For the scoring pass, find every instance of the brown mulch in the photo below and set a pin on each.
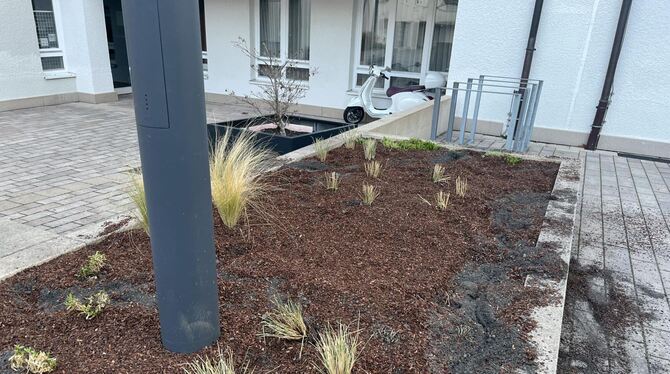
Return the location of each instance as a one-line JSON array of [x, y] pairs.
[[430, 291]]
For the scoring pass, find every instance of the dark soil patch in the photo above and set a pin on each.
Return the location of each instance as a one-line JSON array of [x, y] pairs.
[[598, 314], [110, 227], [430, 291]]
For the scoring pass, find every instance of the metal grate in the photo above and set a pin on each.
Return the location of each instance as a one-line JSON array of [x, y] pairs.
[[52, 63], [46, 29]]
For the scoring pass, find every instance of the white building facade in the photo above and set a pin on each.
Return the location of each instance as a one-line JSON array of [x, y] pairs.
[[54, 51]]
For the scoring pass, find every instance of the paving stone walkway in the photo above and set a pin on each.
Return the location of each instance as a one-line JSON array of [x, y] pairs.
[[64, 172], [623, 228]]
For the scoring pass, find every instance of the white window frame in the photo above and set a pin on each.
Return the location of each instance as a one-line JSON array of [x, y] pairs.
[[388, 57], [283, 41], [54, 52]]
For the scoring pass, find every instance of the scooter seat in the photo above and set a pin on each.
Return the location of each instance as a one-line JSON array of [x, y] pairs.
[[394, 90]]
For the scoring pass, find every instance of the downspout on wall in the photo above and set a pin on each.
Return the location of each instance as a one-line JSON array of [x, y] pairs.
[[603, 104], [530, 50]]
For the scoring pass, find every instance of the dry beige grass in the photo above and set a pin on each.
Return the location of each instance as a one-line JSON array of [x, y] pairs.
[[369, 194], [338, 350], [373, 169], [138, 196], [224, 363], [369, 149], [350, 139], [332, 181], [442, 200], [321, 149], [284, 321], [439, 174], [236, 169], [461, 186], [30, 360]]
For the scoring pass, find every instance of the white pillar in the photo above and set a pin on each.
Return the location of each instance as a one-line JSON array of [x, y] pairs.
[[86, 50]]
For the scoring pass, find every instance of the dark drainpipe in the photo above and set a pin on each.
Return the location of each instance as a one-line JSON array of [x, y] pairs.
[[604, 102], [530, 49]]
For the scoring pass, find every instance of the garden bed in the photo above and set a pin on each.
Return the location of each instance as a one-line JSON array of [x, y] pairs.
[[428, 291]]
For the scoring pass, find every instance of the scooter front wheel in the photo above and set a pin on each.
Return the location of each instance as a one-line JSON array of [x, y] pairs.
[[354, 115]]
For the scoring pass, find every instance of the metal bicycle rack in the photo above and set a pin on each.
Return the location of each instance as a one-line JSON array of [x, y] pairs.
[[525, 97]]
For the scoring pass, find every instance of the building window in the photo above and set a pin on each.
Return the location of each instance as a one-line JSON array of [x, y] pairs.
[[413, 37], [283, 30], [203, 38], [47, 35]]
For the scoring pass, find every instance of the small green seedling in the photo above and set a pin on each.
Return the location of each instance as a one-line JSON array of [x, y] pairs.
[[412, 144], [369, 194], [332, 181], [321, 150], [509, 158], [369, 149], [92, 308], [31, 361], [93, 265], [373, 169]]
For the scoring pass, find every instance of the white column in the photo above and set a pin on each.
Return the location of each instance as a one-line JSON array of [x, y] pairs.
[[86, 50]]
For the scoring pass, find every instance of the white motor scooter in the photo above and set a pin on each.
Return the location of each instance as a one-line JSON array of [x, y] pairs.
[[402, 98]]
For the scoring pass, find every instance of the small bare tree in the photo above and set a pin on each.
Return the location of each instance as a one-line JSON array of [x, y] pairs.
[[281, 93]]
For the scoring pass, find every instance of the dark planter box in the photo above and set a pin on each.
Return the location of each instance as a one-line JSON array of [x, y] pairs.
[[281, 144]]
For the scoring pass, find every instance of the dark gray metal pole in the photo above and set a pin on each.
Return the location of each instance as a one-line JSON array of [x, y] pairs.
[[163, 41]]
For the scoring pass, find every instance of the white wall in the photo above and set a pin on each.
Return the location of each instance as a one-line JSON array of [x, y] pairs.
[[572, 51], [21, 73], [330, 44]]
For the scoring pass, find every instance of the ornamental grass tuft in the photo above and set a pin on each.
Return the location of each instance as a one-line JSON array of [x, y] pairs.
[[338, 350], [224, 363], [30, 360], [139, 198], [236, 168]]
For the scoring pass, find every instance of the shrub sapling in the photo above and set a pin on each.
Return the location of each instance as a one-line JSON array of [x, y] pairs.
[[93, 265], [92, 308], [31, 360]]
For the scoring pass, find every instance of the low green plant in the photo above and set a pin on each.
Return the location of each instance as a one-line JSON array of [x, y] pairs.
[[284, 321], [412, 144], [373, 169], [138, 196], [321, 150], [332, 181], [224, 363], [93, 265], [236, 167], [509, 158], [93, 306], [439, 174], [338, 349], [442, 200], [369, 149], [31, 361], [369, 194], [461, 186], [350, 139]]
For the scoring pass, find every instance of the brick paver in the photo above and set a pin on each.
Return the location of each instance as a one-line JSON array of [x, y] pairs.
[[623, 227], [64, 170]]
